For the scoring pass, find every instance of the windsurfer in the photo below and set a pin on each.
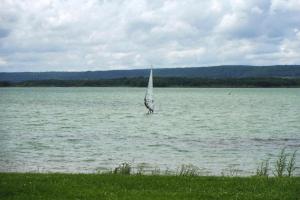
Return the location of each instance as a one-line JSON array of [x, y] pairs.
[[146, 104]]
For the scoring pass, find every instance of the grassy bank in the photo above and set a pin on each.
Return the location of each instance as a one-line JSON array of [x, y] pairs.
[[110, 186]]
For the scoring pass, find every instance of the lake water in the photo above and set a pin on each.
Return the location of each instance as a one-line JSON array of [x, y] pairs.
[[87, 129]]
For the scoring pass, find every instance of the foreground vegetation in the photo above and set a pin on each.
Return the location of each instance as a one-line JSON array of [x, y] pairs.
[[161, 82], [126, 182], [116, 186]]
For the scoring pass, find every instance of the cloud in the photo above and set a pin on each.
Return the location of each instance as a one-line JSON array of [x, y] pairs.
[[56, 35], [2, 61]]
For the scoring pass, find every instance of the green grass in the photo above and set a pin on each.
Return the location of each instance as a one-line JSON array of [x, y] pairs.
[[110, 186]]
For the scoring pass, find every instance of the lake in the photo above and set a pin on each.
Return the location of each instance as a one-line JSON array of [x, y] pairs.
[[89, 129]]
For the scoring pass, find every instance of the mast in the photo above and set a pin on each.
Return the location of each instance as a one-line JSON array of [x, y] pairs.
[[148, 100]]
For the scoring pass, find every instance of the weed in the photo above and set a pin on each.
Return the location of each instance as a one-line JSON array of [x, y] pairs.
[[155, 171], [263, 169], [124, 168], [280, 164], [291, 166], [188, 170]]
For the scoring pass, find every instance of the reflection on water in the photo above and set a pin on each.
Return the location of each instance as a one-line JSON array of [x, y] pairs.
[[85, 129]]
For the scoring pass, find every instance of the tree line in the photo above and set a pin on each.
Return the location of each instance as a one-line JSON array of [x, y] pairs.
[[160, 82]]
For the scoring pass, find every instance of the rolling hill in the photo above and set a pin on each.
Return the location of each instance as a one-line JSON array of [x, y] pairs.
[[216, 72]]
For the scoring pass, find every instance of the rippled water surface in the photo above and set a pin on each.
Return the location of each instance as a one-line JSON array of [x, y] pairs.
[[85, 129]]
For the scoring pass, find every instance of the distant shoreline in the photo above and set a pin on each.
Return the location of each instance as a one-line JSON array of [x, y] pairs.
[[176, 82]]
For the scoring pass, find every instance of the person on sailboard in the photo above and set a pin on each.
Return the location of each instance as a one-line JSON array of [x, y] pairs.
[[145, 102], [151, 110], [147, 106]]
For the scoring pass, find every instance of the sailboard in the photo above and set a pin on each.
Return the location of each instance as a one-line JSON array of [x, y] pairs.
[[148, 100]]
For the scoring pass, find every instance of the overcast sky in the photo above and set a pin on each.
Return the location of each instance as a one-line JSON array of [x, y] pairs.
[[78, 35]]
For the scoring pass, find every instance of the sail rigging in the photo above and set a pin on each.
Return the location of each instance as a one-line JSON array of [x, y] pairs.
[[148, 100]]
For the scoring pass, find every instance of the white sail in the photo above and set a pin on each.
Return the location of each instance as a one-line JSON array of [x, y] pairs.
[[149, 101]]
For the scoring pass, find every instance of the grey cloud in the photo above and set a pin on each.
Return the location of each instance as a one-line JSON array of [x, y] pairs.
[[81, 35], [4, 33]]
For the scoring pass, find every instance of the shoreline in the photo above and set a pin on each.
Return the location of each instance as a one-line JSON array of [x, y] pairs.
[[163, 82]]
